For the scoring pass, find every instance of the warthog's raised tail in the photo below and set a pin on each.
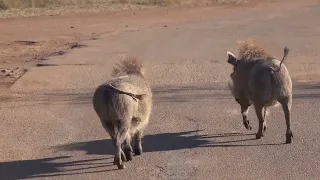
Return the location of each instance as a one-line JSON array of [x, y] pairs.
[[285, 54], [134, 96]]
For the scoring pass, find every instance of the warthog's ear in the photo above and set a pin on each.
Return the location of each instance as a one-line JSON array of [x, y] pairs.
[[231, 58]]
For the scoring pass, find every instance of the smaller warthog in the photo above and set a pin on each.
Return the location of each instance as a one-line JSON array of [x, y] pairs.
[[261, 80], [124, 106]]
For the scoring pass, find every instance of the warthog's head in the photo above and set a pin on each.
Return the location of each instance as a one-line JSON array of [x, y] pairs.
[[237, 83]]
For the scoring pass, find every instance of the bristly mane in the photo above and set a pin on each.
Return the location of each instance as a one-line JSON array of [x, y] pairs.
[[128, 66], [248, 50]]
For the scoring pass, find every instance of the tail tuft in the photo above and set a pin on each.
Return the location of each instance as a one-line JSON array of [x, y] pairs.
[[128, 66], [285, 54]]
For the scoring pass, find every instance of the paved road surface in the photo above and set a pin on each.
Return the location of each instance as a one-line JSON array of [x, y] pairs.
[[50, 131]]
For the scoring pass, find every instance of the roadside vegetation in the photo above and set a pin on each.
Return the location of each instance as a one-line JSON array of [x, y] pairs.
[[22, 4], [15, 8]]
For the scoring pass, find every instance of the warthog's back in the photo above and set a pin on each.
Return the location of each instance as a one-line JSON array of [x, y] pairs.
[[131, 84], [110, 95]]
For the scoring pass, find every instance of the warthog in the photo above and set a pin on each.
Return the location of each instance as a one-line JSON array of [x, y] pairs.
[[124, 106], [263, 81]]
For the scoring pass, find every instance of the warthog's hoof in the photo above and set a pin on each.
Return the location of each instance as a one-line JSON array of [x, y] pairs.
[[246, 124], [259, 135], [121, 166], [123, 158], [289, 137], [137, 150], [264, 128], [128, 153], [119, 163]]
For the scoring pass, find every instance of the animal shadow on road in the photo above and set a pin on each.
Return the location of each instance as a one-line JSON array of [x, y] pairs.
[[165, 142], [47, 167]]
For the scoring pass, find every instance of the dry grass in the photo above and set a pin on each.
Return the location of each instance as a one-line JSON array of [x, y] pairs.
[[15, 8], [21, 4], [27, 8]]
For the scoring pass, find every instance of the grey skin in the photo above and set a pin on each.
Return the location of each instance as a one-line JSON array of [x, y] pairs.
[[263, 82], [124, 106]]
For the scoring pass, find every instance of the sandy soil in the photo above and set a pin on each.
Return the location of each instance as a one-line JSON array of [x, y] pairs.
[[26, 41]]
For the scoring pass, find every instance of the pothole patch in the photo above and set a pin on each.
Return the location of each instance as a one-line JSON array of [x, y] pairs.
[[26, 42], [76, 45]]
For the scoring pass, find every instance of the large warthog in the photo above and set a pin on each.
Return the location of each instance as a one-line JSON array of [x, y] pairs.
[[260, 79], [124, 106]]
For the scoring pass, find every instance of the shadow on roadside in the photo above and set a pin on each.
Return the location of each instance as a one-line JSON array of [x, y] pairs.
[[47, 167], [151, 143], [166, 142]]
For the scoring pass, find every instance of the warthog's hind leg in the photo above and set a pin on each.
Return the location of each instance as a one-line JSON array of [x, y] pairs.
[[264, 118], [138, 144], [123, 157], [119, 155], [127, 148], [259, 109], [286, 106], [109, 127], [244, 112]]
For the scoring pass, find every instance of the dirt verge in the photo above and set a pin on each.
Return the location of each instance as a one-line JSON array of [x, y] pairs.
[[26, 41]]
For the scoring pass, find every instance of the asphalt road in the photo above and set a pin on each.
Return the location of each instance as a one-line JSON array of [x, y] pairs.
[[49, 129]]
